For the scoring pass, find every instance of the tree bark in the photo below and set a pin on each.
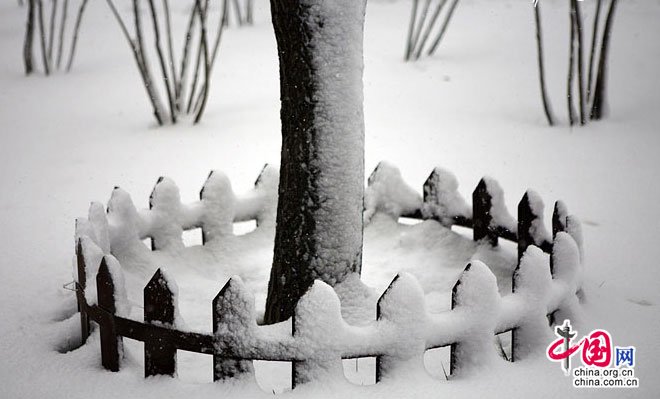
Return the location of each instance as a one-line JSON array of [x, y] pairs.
[[321, 189], [598, 106]]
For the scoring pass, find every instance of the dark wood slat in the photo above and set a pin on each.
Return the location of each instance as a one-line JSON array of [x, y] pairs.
[[110, 340], [159, 306]]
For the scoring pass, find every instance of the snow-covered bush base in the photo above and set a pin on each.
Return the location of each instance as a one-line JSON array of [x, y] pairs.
[[435, 301]]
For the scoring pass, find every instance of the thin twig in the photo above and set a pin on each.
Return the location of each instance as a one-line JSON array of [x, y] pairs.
[[145, 62], [51, 35], [207, 70], [429, 27], [420, 25], [137, 57], [42, 33], [216, 46], [411, 30], [539, 46], [597, 108], [580, 61], [161, 58], [60, 47], [29, 38], [180, 87], [170, 47], [592, 52], [571, 67], [239, 17], [445, 24], [198, 61], [74, 40], [249, 9]]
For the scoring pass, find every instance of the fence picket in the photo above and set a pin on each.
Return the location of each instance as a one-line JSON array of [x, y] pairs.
[[159, 307], [110, 341], [233, 308], [80, 292], [559, 216], [442, 201], [165, 206], [482, 218]]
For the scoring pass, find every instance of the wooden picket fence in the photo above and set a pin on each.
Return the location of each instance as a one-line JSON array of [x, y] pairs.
[[235, 341]]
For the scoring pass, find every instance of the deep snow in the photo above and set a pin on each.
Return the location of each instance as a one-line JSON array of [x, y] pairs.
[[473, 109]]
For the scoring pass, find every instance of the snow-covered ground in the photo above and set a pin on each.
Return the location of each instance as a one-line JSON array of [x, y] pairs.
[[474, 109]]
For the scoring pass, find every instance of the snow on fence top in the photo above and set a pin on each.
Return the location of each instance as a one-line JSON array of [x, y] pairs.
[[317, 337]]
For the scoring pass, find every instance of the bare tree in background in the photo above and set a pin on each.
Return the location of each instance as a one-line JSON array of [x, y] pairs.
[[421, 27], [319, 212], [52, 34], [186, 90], [591, 94]]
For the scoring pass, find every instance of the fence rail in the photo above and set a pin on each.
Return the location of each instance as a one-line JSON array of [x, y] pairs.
[[403, 329]]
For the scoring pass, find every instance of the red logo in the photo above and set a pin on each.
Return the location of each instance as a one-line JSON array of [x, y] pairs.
[[596, 347]]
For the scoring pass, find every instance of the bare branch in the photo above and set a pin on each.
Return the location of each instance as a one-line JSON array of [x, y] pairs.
[[592, 52], [598, 106], [76, 29], [443, 29], [60, 48], [429, 27], [207, 70], [411, 30], [51, 36], [29, 38], [539, 47], [161, 58], [42, 32]]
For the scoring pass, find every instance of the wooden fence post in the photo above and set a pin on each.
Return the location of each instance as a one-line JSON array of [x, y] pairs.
[[442, 202], [481, 216], [231, 305], [160, 307], [525, 219], [559, 220], [453, 348], [559, 216], [380, 360], [80, 292], [110, 342]]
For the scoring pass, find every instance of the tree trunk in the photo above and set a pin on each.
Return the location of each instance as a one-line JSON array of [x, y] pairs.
[[321, 189]]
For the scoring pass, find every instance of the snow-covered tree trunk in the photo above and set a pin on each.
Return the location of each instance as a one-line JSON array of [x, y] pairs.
[[319, 215]]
